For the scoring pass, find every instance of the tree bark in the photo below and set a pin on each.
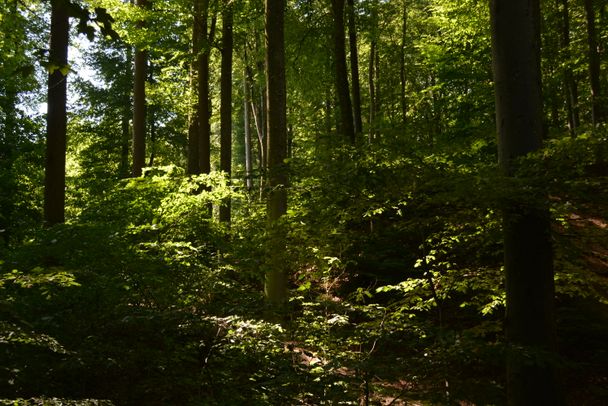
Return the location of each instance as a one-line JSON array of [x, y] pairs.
[[226, 105], [342, 88], [594, 65], [247, 131], [530, 330], [402, 72], [194, 121], [204, 99], [572, 108], [54, 181], [372, 91], [276, 276], [139, 105], [354, 68]]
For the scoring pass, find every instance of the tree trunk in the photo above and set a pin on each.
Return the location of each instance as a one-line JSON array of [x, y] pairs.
[[152, 124], [276, 277], [247, 132], [569, 80], [124, 144], [594, 65], [139, 106], [54, 181], [402, 73], [530, 330], [204, 99], [342, 88], [194, 121], [226, 105], [127, 114], [354, 67], [372, 91]]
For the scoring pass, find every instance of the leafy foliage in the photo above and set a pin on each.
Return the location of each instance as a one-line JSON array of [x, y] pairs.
[[394, 245]]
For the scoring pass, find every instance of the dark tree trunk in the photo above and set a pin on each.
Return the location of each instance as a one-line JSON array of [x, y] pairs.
[[346, 111], [569, 81], [529, 326], [54, 181], [276, 279], [354, 67], [152, 124], [594, 65], [124, 144], [139, 106], [226, 105], [194, 121]]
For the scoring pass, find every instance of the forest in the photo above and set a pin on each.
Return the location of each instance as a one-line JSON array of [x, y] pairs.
[[304, 202]]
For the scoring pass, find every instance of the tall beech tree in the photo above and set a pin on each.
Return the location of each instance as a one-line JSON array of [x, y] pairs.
[[527, 241], [139, 103], [226, 103], [594, 64], [194, 135], [247, 130], [572, 108], [54, 181], [402, 71], [204, 99], [276, 275], [347, 127], [354, 67]]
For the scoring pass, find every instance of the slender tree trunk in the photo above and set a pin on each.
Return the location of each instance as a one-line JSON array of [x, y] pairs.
[[247, 131], [204, 99], [260, 133], [594, 65], [127, 114], [378, 101], [139, 105], [257, 114], [226, 105], [354, 67], [124, 144], [276, 275], [152, 124], [530, 326], [194, 121], [54, 181], [342, 88], [372, 91], [402, 72], [569, 80]]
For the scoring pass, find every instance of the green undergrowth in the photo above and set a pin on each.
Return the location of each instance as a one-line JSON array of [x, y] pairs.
[[396, 284]]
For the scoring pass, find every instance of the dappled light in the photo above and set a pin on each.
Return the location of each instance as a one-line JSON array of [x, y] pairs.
[[252, 230]]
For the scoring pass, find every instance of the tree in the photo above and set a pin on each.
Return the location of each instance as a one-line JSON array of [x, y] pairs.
[[572, 109], [247, 130], [372, 73], [354, 67], [194, 120], [402, 71], [526, 228], [345, 106], [276, 278], [226, 104], [54, 181], [139, 105], [594, 65], [204, 101]]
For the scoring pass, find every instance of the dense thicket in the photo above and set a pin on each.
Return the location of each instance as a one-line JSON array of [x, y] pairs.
[[365, 195]]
